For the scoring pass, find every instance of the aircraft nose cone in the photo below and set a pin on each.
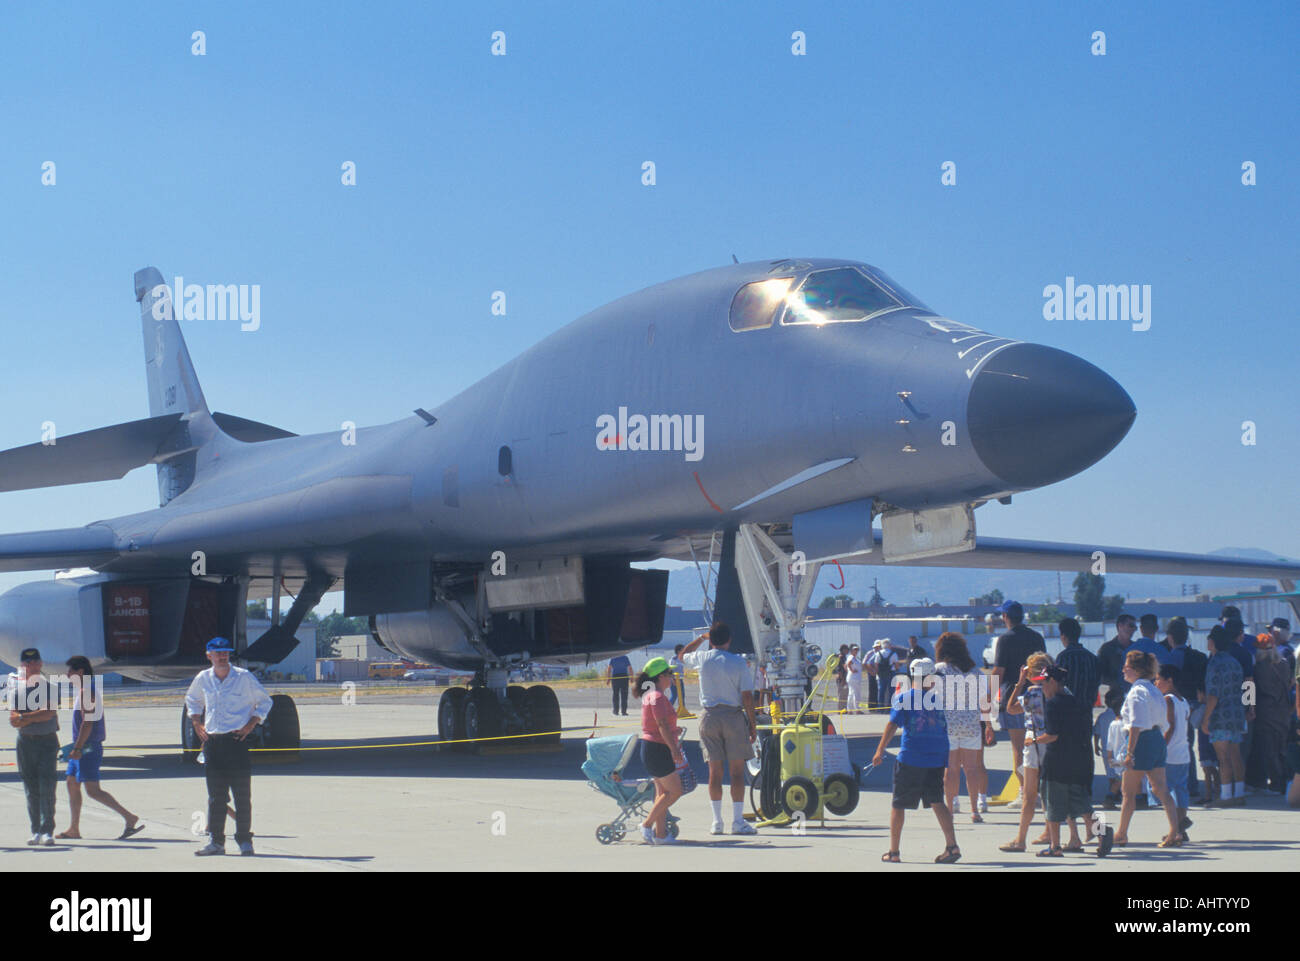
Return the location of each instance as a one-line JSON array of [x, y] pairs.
[[1037, 415]]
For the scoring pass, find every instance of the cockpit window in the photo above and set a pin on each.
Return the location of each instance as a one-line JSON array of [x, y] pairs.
[[886, 281], [756, 305], [839, 295]]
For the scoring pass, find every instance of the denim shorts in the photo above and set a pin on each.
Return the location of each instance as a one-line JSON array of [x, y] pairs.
[[1176, 780], [1150, 751]]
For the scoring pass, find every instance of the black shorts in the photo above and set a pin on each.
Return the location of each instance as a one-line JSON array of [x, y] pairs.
[[917, 785], [1065, 800], [658, 760]]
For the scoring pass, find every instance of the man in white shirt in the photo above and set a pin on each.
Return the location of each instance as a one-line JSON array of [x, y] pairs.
[[727, 727], [854, 668], [225, 704]]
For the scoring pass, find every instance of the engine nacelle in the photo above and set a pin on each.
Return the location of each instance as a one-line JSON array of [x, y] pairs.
[[148, 628], [435, 636], [619, 607]]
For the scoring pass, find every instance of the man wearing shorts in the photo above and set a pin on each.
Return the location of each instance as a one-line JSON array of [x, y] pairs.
[[727, 726], [922, 760], [87, 750]]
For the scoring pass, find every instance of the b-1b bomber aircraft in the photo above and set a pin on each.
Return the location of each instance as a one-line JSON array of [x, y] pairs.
[[760, 415]]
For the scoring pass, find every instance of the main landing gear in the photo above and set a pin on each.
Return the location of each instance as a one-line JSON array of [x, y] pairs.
[[492, 711]]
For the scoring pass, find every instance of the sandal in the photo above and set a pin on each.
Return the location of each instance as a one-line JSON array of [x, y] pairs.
[[1052, 852], [1170, 842], [951, 855], [1042, 840], [891, 857], [1012, 847], [976, 819], [1119, 842], [1074, 846]]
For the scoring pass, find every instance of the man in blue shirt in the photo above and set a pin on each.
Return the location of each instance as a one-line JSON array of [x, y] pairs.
[[1148, 625], [617, 677], [917, 710]]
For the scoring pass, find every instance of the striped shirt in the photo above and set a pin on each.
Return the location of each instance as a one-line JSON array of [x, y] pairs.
[[1082, 673]]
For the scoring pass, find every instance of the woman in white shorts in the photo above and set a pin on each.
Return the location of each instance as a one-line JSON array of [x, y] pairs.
[[1027, 699], [960, 682]]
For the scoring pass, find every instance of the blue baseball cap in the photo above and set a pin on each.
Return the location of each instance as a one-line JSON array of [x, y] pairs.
[[220, 644], [1012, 607]]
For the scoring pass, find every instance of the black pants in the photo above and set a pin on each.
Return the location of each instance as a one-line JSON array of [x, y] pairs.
[[228, 772], [619, 686], [37, 755], [1270, 756]]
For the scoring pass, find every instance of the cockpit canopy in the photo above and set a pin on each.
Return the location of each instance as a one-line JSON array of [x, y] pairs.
[[834, 295]]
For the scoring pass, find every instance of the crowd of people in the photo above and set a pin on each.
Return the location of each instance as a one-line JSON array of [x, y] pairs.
[[1167, 709], [1162, 698]]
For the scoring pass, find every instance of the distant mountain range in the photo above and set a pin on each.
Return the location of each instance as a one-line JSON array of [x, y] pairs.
[[912, 585]]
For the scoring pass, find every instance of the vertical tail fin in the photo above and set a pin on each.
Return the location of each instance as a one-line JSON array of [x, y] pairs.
[[173, 384]]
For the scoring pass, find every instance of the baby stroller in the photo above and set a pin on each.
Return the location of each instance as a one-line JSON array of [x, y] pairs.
[[607, 756]]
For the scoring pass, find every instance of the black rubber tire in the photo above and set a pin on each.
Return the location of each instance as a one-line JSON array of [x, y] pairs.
[[518, 698], [543, 714], [606, 834], [840, 794], [482, 717], [799, 794], [451, 717], [281, 729], [189, 739]]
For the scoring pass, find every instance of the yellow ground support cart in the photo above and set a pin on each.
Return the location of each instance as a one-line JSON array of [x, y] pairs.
[[803, 767]]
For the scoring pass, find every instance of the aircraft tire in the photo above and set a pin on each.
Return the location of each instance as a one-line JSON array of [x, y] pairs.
[[283, 731], [189, 740], [482, 716], [544, 714], [451, 717]]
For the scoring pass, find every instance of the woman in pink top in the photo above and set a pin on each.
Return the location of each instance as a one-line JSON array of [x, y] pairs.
[[660, 751]]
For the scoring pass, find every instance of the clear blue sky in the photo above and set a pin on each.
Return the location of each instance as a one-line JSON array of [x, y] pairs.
[[522, 173]]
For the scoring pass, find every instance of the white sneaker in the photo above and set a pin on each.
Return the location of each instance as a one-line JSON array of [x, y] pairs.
[[666, 839], [1017, 804], [35, 839], [210, 849], [647, 835], [47, 840], [984, 804], [743, 827], [715, 827], [956, 805]]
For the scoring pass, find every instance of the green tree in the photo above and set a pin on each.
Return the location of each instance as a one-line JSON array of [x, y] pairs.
[[830, 601], [333, 626], [1088, 591], [257, 610], [1114, 607], [993, 598], [1048, 613]]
